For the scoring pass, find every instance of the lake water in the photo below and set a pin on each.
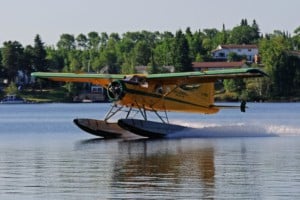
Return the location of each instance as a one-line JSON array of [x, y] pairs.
[[44, 156]]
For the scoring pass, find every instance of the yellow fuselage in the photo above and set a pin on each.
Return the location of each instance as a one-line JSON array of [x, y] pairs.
[[198, 98]]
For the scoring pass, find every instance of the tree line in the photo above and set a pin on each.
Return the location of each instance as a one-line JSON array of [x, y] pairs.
[[114, 53]]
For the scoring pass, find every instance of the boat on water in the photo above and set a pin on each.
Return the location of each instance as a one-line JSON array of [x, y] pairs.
[[12, 99]]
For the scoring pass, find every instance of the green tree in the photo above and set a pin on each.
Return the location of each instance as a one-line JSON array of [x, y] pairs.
[[93, 40], [241, 35], [234, 85], [66, 42], [82, 41], [115, 37], [181, 59], [244, 34], [2, 70], [126, 57], [39, 55], [255, 30], [232, 56], [75, 58], [12, 58], [221, 37], [286, 75], [195, 43], [54, 59], [12, 89], [256, 89], [110, 60], [273, 52], [142, 53], [162, 53], [296, 38], [109, 55], [211, 33], [103, 39], [28, 59], [66, 46]]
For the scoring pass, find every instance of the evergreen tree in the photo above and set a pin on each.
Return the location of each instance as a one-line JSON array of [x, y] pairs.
[[255, 30], [223, 35], [39, 55], [194, 42], [181, 59], [244, 22], [28, 59], [2, 70]]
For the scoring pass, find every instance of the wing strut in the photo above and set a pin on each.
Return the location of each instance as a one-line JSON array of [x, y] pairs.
[[113, 110], [128, 112], [162, 117], [142, 111]]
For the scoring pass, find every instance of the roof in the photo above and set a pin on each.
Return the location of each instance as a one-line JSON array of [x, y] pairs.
[[294, 53], [218, 64], [239, 46]]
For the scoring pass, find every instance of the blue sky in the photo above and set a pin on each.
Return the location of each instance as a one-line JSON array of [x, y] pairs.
[[21, 20]]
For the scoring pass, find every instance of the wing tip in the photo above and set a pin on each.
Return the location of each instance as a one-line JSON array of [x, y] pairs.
[[257, 71]]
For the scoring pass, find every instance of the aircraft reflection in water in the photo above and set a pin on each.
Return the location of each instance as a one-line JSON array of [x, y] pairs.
[[168, 167]]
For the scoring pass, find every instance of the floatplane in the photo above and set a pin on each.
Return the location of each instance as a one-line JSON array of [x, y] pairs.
[[155, 93]]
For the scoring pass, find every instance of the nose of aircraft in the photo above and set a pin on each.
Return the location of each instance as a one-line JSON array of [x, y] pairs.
[[116, 90]]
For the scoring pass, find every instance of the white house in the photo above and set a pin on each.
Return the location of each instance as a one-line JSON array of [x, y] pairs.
[[222, 51]]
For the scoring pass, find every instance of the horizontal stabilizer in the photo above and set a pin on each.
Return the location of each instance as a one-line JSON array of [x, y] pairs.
[[242, 107]]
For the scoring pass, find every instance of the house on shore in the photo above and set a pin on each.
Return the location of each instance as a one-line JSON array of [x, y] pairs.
[[294, 53], [249, 51]]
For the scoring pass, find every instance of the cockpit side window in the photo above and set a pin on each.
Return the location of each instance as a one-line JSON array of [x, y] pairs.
[[190, 86]]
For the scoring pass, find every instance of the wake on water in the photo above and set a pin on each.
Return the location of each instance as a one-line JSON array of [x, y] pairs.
[[234, 130]]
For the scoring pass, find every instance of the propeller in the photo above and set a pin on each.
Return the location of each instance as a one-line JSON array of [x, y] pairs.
[[115, 90]]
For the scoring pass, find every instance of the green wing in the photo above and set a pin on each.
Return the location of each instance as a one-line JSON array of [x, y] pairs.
[[207, 76], [166, 78], [97, 79]]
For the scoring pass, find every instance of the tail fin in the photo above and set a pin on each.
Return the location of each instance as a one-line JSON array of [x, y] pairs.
[[243, 106]]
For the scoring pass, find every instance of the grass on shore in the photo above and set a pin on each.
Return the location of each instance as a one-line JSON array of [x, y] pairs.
[[44, 96]]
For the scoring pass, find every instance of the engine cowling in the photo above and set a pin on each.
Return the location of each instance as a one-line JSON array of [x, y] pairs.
[[116, 90]]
